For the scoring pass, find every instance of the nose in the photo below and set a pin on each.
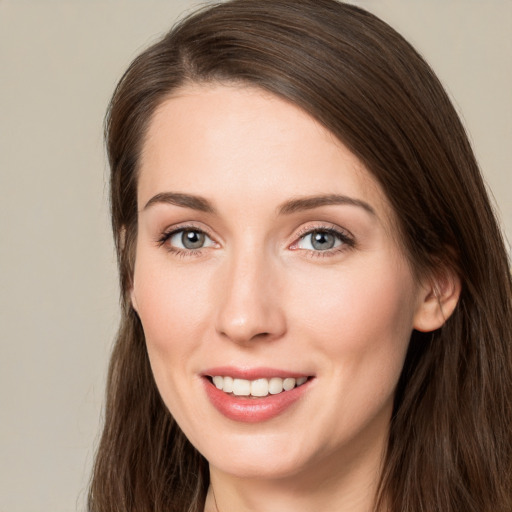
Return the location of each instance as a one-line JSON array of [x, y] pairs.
[[248, 299]]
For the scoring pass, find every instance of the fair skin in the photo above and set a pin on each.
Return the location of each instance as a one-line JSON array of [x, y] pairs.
[[236, 274]]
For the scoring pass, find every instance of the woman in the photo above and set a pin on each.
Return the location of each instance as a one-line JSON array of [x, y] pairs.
[[316, 295]]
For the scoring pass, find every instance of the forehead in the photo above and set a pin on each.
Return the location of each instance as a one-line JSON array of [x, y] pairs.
[[228, 141]]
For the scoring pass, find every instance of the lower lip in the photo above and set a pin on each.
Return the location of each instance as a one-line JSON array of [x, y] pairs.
[[253, 410]]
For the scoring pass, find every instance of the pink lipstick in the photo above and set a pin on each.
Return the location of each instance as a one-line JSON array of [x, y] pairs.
[[253, 395]]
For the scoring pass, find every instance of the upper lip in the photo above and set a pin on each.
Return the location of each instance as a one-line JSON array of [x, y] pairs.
[[252, 373]]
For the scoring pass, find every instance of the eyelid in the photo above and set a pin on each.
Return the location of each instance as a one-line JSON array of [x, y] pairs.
[[175, 239], [170, 231], [343, 235], [347, 239]]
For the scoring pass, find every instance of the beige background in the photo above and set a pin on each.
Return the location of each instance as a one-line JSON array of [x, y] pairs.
[[59, 61]]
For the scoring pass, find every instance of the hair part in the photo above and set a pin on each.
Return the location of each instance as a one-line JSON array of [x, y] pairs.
[[450, 445]]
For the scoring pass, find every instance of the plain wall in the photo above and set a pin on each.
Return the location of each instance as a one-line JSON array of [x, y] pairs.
[[59, 62]]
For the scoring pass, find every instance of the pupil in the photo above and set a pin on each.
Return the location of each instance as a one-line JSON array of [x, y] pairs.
[[192, 239], [322, 240]]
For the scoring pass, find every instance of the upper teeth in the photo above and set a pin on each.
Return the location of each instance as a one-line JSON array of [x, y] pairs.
[[258, 387]]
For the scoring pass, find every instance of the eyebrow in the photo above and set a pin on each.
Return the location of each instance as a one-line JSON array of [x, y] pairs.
[[292, 206], [311, 202], [184, 200]]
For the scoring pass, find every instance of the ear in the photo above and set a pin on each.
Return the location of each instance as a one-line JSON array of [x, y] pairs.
[[133, 299], [133, 295], [437, 300]]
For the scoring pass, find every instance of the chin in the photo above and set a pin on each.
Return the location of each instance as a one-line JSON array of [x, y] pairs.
[[258, 469], [257, 457]]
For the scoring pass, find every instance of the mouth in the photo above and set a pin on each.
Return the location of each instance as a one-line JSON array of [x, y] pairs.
[[257, 395], [257, 388]]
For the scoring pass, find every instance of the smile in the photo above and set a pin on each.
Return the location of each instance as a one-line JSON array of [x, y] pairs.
[[253, 396], [256, 388]]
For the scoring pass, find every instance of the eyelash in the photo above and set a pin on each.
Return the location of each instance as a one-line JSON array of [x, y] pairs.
[[167, 235], [347, 241]]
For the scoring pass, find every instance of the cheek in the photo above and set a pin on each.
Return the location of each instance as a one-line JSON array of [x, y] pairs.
[[360, 314], [167, 299], [172, 308], [356, 325]]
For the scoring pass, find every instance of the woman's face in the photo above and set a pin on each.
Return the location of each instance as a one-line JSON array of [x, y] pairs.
[[266, 257]]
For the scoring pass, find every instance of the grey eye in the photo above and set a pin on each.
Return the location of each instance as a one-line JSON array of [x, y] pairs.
[[322, 241], [192, 239]]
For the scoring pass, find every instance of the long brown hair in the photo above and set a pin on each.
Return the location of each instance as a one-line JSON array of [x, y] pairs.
[[450, 444]]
